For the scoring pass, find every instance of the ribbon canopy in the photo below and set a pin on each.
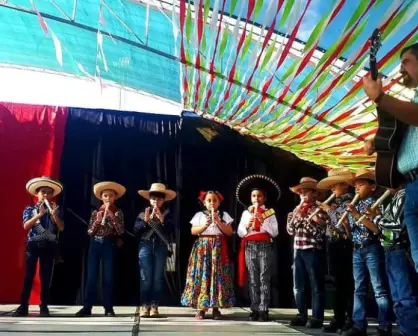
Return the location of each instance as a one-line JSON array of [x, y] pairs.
[[286, 72]]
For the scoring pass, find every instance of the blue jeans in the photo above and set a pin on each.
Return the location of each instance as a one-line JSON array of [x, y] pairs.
[[308, 265], [411, 218], [400, 281], [100, 250], [369, 263], [152, 260]]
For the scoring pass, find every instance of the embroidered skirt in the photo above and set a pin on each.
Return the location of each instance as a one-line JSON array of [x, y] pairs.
[[209, 280]]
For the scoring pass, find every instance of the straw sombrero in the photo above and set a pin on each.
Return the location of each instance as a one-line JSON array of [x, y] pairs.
[[305, 183], [365, 174], [337, 175], [257, 181], [44, 181], [108, 185], [158, 188]]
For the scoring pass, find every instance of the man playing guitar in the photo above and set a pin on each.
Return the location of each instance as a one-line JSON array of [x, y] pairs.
[[407, 156]]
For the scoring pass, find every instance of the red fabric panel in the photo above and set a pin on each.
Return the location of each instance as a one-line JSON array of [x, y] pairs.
[[31, 142]]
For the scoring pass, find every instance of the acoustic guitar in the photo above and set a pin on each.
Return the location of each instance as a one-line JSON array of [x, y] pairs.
[[389, 134]]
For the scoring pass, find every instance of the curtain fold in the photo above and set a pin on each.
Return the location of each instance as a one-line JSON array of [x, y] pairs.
[[31, 142]]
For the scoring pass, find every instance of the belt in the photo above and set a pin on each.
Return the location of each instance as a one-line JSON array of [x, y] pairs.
[[411, 176], [394, 247], [366, 244]]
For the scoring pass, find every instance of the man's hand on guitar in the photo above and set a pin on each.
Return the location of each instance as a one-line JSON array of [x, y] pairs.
[[369, 147], [371, 87]]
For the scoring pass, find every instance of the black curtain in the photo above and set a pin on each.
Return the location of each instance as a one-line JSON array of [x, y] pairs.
[[189, 154], [133, 149]]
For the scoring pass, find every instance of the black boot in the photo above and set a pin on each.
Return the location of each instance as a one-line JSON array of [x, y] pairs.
[[264, 316], [355, 332], [254, 315], [21, 311], [333, 326], [298, 321], [44, 311], [83, 312], [110, 312], [314, 323]]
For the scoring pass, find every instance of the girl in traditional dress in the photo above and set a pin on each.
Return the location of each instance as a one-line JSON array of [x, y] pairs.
[[209, 282]]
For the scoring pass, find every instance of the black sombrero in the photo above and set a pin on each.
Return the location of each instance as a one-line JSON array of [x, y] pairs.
[[257, 181]]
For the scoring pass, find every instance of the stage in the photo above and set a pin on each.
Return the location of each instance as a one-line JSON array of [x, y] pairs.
[[174, 321]]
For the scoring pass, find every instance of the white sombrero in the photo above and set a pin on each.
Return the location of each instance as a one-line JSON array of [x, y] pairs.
[[337, 175], [305, 183], [108, 185], [44, 181], [158, 188]]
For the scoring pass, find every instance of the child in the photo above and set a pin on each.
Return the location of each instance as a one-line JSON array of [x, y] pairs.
[[208, 281], [106, 224], [308, 262], [368, 259], [153, 228], [394, 240], [257, 228], [339, 248], [42, 222]]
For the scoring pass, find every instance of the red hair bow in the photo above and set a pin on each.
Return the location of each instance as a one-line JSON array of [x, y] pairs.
[[202, 195]]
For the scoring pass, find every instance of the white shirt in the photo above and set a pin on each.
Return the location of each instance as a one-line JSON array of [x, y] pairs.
[[213, 230], [270, 225]]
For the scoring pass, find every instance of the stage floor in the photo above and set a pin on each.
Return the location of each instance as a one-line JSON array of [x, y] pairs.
[[174, 321]]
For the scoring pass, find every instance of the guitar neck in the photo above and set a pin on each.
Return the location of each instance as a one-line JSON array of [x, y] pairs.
[[373, 69]]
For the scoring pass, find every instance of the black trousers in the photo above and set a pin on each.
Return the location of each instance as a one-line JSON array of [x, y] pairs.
[[340, 261], [45, 252]]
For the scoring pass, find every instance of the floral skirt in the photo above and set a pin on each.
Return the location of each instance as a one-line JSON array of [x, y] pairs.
[[209, 281]]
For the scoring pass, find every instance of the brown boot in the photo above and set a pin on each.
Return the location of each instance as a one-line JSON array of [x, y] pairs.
[[154, 311], [144, 311]]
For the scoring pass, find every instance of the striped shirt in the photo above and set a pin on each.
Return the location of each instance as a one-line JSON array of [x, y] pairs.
[[407, 158], [308, 234], [391, 221]]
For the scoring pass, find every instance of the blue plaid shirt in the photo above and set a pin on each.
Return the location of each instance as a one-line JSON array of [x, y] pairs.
[[407, 159], [361, 234], [45, 229]]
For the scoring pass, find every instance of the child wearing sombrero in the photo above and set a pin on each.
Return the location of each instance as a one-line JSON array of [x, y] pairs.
[[153, 228], [42, 222], [105, 225], [339, 247], [309, 258], [368, 258], [257, 228], [209, 279]]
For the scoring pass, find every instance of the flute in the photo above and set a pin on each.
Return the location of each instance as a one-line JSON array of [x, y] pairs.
[[48, 205], [104, 215], [375, 205], [213, 215], [329, 199], [345, 214]]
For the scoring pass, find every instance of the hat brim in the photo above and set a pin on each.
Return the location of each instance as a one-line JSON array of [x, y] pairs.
[[169, 194], [261, 182], [328, 182], [107, 185], [304, 185], [40, 182], [365, 176]]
